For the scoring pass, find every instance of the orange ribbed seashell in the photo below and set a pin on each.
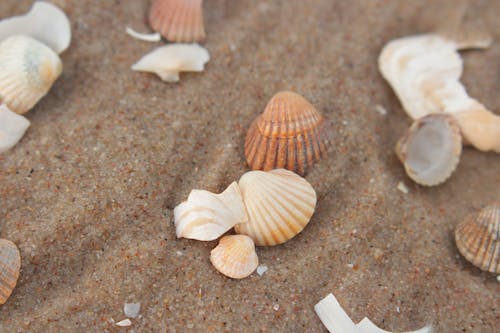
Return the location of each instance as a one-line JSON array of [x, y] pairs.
[[178, 20], [10, 264], [289, 134]]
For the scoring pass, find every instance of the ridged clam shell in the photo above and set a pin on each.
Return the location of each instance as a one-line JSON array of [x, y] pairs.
[[289, 134], [478, 238], [178, 21], [10, 264], [28, 69], [235, 256], [12, 128], [279, 204], [430, 149]]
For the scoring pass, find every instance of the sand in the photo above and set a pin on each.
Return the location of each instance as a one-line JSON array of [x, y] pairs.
[[88, 193]]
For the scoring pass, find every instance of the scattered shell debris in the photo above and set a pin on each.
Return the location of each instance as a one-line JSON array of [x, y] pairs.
[[132, 310], [146, 37], [12, 128], [124, 323], [403, 188], [235, 256], [10, 266], [261, 269]]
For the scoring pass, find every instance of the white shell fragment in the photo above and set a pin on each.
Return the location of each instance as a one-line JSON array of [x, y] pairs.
[[168, 61], [206, 216], [154, 37], [132, 310], [124, 323], [424, 71], [44, 22], [337, 321], [12, 128]]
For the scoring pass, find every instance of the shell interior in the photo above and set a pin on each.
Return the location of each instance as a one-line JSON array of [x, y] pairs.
[[235, 256], [12, 128], [10, 264]]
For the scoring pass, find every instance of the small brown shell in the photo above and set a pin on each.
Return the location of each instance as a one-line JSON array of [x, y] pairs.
[[478, 238], [235, 256], [178, 20], [10, 264], [289, 134]]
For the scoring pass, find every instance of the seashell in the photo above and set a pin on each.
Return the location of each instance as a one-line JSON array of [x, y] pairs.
[[478, 238], [28, 69], [235, 256], [178, 21], [480, 128], [167, 61], [156, 37], [12, 128], [424, 71], [279, 205], [289, 134], [44, 22], [206, 216], [10, 264], [431, 148]]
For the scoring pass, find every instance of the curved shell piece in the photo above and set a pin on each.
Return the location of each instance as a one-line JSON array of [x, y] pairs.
[[10, 264], [431, 148], [206, 216], [235, 256], [178, 21], [478, 238], [169, 60], [480, 128], [289, 134], [12, 128], [279, 205], [28, 69], [44, 22]]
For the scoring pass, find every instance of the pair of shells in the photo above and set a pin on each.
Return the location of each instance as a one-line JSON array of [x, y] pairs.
[[289, 134], [10, 265]]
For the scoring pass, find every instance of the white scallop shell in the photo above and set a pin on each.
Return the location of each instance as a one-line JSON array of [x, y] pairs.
[[44, 22], [169, 60], [235, 256], [206, 216], [12, 128], [279, 204], [28, 69]]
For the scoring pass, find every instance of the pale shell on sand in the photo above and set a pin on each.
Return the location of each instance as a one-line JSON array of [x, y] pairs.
[[235, 256], [12, 128], [10, 264]]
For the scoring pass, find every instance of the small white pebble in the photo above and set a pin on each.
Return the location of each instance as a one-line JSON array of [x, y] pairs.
[[261, 270], [380, 109], [179, 253], [131, 310], [124, 323], [276, 307], [402, 187], [350, 265], [397, 309]]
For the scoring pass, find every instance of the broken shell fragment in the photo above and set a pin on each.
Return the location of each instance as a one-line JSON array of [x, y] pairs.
[[431, 148], [28, 69], [478, 238], [206, 216], [289, 134], [481, 128], [44, 22], [168, 61], [235, 256], [178, 21], [279, 204], [10, 264], [12, 128]]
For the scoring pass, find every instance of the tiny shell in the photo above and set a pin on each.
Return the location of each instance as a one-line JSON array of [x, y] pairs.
[[206, 216], [289, 134], [279, 204], [178, 21], [44, 22], [12, 128], [235, 256], [10, 264], [168, 61], [478, 238], [28, 69], [431, 148]]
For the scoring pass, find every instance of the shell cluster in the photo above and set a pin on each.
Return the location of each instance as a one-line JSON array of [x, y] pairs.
[[10, 265]]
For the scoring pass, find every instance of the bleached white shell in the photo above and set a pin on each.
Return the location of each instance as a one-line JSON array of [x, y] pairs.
[[28, 69], [235, 256], [44, 22], [206, 216], [12, 128], [279, 204], [168, 61]]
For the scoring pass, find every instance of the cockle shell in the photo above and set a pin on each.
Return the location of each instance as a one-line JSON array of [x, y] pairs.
[[478, 238], [206, 216], [279, 204], [289, 134], [12, 128], [10, 264], [431, 148], [44, 22], [168, 61], [424, 71], [28, 69], [178, 21], [235, 256]]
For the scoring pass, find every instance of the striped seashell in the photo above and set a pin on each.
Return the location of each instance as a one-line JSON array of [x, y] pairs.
[[178, 21], [28, 69], [235, 256], [10, 264], [430, 149], [478, 238], [279, 205], [289, 134]]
